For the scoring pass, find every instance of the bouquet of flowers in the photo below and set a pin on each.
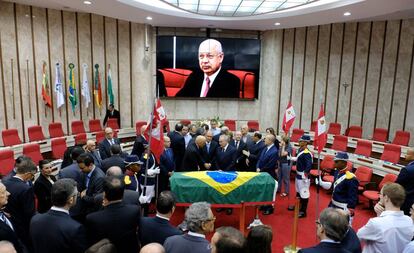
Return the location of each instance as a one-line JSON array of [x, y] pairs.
[[202, 122]]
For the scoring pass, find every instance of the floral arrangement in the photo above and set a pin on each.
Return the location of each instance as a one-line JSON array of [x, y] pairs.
[[201, 122]]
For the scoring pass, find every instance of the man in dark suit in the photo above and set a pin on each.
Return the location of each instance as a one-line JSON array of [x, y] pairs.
[[209, 151], [114, 160], [105, 145], [406, 179], [91, 149], [331, 229], [167, 165], [239, 144], [140, 143], [7, 232], [350, 241], [55, 231], [224, 130], [111, 113], [178, 144], [73, 171], [21, 202], [246, 138], [211, 80], [225, 155], [157, 229], [117, 222], [193, 160], [252, 155]]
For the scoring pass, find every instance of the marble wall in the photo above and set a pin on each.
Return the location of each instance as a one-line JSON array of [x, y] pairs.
[[361, 71]]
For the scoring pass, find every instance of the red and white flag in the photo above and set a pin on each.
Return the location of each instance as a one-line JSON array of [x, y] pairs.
[[157, 133], [288, 118], [321, 134]]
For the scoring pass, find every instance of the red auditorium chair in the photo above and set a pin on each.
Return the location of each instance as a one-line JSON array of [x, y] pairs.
[[231, 124], [355, 131], [391, 153], [185, 122], [364, 176], [380, 134], [401, 138], [35, 133], [340, 143], [58, 147], [55, 130], [100, 136], [77, 127], [32, 150], [373, 195], [327, 166], [10, 137], [112, 123], [6, 161], [174, 79], [253, 125], [334, 128], [80, 138], [364, 148], [95, 125], [246, 83], [314, 124], [138, 126], [296, 134]]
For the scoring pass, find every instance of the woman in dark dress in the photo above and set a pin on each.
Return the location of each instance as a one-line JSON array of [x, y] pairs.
[[43, 186]]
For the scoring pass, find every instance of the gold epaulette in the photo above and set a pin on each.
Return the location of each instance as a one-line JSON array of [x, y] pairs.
[[127, 180], [349, 175]]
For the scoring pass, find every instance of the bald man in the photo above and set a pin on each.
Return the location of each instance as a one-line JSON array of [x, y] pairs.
[[153, 248], [193, 160], [211, 80], [167, 165], [406, 179], [90, 147]]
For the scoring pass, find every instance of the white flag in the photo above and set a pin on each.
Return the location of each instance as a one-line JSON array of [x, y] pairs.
[[85, 87], [60, 94]]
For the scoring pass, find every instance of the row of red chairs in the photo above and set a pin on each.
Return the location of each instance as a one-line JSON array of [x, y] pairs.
[[380, 134], [253, 125]]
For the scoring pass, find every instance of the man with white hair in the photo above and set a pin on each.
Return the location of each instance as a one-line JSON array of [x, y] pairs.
[[212, 80]]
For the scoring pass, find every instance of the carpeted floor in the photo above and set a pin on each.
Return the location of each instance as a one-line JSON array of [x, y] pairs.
[[282, 220]]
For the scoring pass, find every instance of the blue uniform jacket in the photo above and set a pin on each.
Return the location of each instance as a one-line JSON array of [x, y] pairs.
[[347, 190], [304, 162]]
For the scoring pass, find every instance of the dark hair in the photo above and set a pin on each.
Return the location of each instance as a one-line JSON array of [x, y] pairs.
[[26, 166], [205, 126], [62, 190], [76, 152], [85, 158], [395, 192], [178, 127], [259, 239], [111, 105], [165, 202], [114, 188], [115, 149], [20, 159], [271, 130], [334, 223], [230, 240], [200, 131], [258, 135], [43, 163]]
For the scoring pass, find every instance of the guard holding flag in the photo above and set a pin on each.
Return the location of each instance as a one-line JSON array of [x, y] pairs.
[[345, 187], [304, 161], [150, 184]]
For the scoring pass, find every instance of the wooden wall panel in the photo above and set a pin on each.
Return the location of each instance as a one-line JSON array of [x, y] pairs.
[[409, 119], [124, 73], [98, 52], [298, 70], [111, 50]]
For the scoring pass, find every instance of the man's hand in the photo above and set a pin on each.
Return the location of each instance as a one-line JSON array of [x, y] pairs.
[[207, 166], [379, 208], [170, 173], [247, 162], [83, 193], [257, 170], [351, 212], [246, 153]]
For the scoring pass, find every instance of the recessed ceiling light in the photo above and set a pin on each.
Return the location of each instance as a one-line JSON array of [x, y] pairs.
[[149, 18], [87, 2], [277, 23], [347, 13]]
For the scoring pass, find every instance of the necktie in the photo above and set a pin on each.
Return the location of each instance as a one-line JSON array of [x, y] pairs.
[[88, 177], [5, 220], [207, 87], [208, 148], [237, 144]]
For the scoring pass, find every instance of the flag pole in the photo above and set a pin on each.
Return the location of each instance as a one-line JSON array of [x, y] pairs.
[[319, 171], [149, 146]]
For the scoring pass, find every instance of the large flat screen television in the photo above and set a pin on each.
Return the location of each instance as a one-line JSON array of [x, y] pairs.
[[197, 67]]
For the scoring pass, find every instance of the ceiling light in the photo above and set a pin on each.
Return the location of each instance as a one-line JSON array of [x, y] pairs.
[[87, 2], [277, 23], [347, 13], [149, 18]]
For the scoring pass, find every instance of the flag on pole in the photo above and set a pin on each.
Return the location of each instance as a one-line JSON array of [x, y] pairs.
[[157, 133], [110, 92], [45, 86], [97, 90], [320, 131], [60, 93], [85, 87], [288, 118], [73, 98]]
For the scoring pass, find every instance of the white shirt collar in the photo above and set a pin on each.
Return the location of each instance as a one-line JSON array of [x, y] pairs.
[[392, 213], [329, 240], [270, 146], [90, 173], [59, 209], [225, 148], [196, 234], [212, 78], [162, 217]]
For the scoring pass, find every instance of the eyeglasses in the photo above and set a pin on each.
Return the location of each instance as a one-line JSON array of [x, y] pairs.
[[208, 56]]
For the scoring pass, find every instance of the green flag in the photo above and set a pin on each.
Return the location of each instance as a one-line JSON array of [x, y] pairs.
[[110, 92]]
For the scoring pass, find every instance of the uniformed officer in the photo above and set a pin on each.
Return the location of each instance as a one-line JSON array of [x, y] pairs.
[[345, 186], [132, 174], [149, 186], [304, 161]]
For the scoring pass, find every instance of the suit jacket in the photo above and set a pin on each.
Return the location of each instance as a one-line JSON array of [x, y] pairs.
[[248, 140], [7, 234], [130, 198], [210, 155], [240, 158], [268, 161], [325, 247], [178, 147], [73, 171], [139, 148], [406, 179], [56, 231], [21, 207], [114, 160], [96, 158], [186, 243], [95, 187], [118, 223], [351, 242], [226, 160], [156, 229], [105, 148], [43, 190], [115, 115], [255, 149], [193, 160], [225, 85], [167, 163]]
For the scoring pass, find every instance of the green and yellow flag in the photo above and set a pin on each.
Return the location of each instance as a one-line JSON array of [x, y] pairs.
[[110, 92], [73, 97]]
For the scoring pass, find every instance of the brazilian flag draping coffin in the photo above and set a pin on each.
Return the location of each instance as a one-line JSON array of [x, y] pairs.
[[218, 187]]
